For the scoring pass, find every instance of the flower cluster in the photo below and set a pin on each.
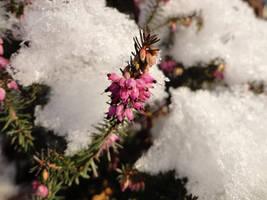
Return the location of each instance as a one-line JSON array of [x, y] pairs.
[[171, 68], [131, 89], [128, 93], [5, 82], [40, 189]]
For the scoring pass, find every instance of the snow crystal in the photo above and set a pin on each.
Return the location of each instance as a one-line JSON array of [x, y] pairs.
[[72, 46], [231, 31], [218, 140]]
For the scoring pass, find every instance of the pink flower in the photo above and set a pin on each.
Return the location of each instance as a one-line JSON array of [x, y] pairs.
[[167, 66], [41, 191], [130, 83], [138, 105], [119, 112], [124, 94], [174, 27], [3, 62], [134, 93], [1, 41], [147, 78], [2, 94], [114, 77], [109, 142], [129, 113], [1, 50], [12, 85], [112, 111], [218, 74]]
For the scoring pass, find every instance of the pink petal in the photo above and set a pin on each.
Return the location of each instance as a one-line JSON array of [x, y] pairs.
[[129, 113], [114, 77], [124, 94], [2, 94], [147, 78], [114, 137], [1, 50], [130, 83], [119, 112], [134, 93], [3, 62], [112, 111], [12, 85], [1, 41], [42, 191]]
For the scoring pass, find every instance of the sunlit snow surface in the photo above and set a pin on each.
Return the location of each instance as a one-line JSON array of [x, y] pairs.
[[72, 48], [218, 140]]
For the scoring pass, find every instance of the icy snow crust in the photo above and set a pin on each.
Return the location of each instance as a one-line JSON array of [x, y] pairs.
[[72, 48], [217, 140], [231, 31]]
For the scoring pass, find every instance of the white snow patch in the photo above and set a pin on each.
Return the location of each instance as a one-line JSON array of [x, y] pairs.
[[218, 140]]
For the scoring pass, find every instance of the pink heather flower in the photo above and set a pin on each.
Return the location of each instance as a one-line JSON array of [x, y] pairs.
[[113, 138], [130, 83], [41, 190], [1, 41], [12, 85], [34, 184], [174, 27], [138, 105], [167, 66], [109, 142], [2, 94], [134, 94], [218, 74], [124, 94], [112, 111], [1, 50], [114, 77], [119, 112], [3, 62], [147, 78], [129, 113]]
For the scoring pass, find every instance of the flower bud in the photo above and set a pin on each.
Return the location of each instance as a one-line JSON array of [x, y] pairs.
[[45, 175]]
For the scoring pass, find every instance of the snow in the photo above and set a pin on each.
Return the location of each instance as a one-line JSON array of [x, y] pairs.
[[72, 48], [231, 31], [216, 139]]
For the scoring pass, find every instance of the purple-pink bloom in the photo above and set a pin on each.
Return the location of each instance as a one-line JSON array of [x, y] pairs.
[[12, 85], [167, 66], [114, 77], [129, 113], [147, 78], [41, 191], [1, 50], [218, 74], [112, 111], [2, 94], [3, 62], [124, 94], [130, 83], [134, 93], [1, 41], [119, 112]]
